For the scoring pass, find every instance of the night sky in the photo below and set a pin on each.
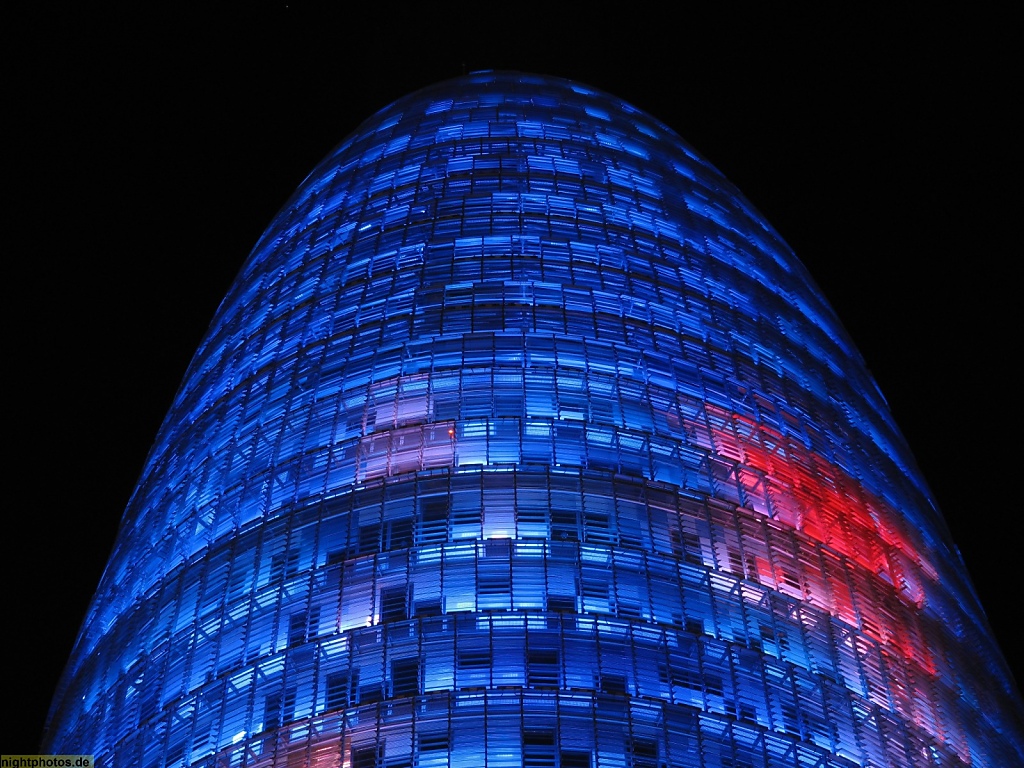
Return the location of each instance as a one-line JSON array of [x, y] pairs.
[[149, 155]]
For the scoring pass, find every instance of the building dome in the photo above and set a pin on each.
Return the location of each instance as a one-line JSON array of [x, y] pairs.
[[523, 439]]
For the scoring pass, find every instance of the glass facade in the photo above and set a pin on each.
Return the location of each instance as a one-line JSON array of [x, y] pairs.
[[523, 441]]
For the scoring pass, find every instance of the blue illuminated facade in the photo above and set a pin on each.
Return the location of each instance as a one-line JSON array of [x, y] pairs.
[[523, 441]]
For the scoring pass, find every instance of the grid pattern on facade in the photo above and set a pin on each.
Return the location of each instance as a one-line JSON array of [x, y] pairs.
[[523, 440]]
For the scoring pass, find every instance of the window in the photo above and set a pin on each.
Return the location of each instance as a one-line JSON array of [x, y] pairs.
[[643, 753], [368, 756], [573, 758], [615, 684], [283, 567], [405, 677], [342, 689], [303, 626], [432, 749], [542, 668], [538, 749], [278, 709], [393, 604], [433, 522]]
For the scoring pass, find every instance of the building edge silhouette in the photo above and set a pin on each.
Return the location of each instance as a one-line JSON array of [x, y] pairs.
[[520, 416]]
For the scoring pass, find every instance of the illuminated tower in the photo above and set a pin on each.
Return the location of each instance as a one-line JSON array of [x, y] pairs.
[[523, 441]]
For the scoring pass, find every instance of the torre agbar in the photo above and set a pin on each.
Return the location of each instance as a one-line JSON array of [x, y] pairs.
[[522, 440]]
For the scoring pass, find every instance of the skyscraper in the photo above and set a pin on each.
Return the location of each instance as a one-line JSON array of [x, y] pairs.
[[523, 440]]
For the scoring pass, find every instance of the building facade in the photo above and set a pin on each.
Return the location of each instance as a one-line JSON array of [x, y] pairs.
[[523, 441]]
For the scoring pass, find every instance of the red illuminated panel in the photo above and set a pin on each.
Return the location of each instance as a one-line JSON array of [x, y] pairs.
[[811, 495]]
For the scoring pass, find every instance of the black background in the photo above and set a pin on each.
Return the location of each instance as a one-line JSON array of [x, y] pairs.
[[147, 152]]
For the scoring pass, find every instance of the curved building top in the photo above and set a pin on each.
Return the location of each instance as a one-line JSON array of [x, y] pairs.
[[519, 276], [523, 184]]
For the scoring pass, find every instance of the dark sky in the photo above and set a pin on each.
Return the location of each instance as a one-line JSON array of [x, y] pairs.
[[149, 155]]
